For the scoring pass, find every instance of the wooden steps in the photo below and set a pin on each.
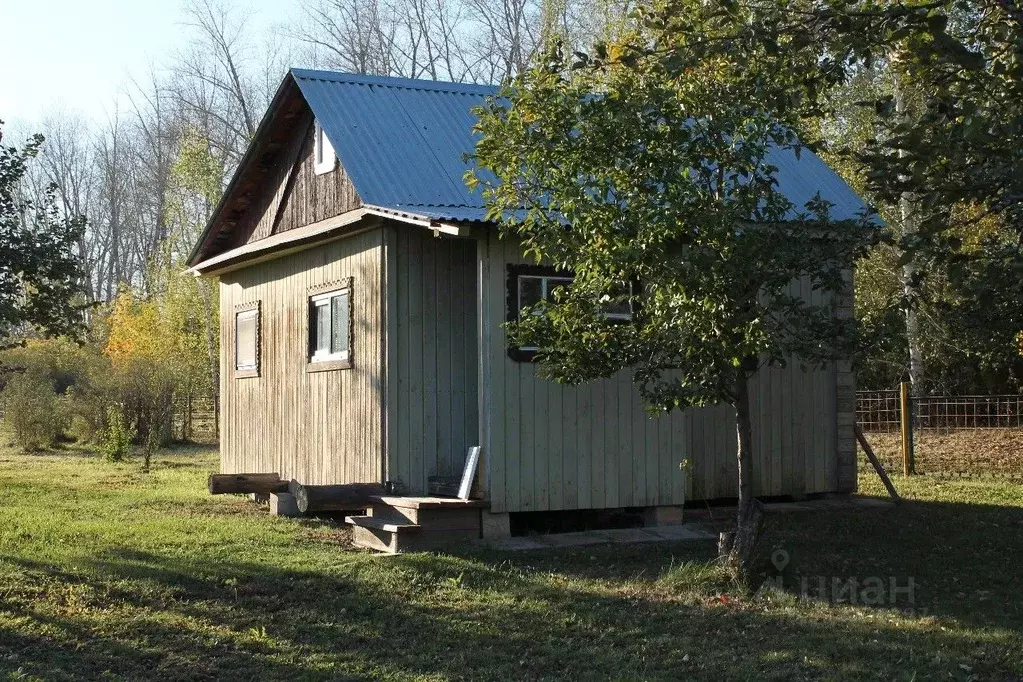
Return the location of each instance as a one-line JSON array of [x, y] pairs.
[[412, 524]]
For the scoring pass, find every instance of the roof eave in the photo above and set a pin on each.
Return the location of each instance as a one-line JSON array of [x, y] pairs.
[[243, 165]]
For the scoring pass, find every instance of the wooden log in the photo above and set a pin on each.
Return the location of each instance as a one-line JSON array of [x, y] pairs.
[[262, 484], [876, 463], [347, 497]]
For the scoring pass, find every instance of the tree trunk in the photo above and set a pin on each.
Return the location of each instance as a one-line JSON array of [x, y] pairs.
[[740, 548], [908, 220]]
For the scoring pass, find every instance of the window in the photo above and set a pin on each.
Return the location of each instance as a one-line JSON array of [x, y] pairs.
[[324, 158], [528, 285], [330, 343], [536, 288], [622, 309], [246, 340]]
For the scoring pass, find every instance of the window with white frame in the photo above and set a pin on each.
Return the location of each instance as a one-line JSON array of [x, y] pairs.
[[330, 315], [529, 285], [536, 288], [324, 159], [246, 340], [619, 304]]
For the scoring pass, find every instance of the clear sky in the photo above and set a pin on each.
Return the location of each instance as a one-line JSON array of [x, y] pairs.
[[81, 53]]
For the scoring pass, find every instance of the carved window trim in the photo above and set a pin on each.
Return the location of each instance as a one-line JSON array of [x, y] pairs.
[[240, 310], [322, 295]]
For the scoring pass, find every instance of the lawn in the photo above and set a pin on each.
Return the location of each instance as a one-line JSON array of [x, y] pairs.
[[109, 572]]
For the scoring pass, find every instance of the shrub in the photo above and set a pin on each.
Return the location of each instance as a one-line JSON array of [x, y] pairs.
[[36, 415], [116, 442], [88, 414]]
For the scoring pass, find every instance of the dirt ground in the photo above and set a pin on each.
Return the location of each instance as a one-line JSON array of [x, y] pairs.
[[997, 452]]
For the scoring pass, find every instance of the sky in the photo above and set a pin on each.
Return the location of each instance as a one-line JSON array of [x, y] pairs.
[[81, 54]]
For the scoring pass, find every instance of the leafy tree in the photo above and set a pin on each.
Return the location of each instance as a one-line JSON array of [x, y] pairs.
[[929, 131], [191, 303], [40, 278], [957, 151], [648, 170]]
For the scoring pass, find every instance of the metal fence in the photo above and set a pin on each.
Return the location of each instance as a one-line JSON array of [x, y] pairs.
[[196, 419], [880, 411], [947, 435]]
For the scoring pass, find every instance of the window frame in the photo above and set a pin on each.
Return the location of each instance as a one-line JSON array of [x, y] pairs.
[[322, 296], [324, 157], [514, 297], [252, 308], [515, 272], [629, 316]]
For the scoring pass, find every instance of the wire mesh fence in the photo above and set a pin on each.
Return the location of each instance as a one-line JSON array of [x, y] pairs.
[[968, 435], [878, 411]]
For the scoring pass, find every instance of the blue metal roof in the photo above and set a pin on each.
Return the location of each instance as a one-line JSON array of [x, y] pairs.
[[403, 142]]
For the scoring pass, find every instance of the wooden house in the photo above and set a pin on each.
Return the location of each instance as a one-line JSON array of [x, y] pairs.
[[362, 296]]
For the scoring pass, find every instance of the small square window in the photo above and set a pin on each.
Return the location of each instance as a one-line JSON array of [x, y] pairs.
[[330, 329], [246, 341]]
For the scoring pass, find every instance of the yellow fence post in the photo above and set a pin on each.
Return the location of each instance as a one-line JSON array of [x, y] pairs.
[[906, 419]]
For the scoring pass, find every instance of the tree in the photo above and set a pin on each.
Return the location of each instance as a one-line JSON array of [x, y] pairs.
[[946, 153], [647, 170], [40, 277]]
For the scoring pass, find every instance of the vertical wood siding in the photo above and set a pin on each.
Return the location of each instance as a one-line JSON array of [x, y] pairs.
[[435, 411], [314, 427], [293, 195], [593, 446]]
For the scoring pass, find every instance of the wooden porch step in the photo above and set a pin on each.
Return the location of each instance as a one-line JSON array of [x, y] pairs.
[[391, 531], [381, 524], [381, 535], [429, 516], [427, 502]]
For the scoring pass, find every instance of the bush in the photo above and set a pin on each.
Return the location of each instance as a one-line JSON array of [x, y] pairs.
[[36, 415], [116, 443]]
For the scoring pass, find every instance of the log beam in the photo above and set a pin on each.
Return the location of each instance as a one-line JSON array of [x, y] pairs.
[[347, 497], [261, 484]]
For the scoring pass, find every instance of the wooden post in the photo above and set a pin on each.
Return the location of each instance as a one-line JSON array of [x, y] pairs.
[[906, 419], [876, 463]]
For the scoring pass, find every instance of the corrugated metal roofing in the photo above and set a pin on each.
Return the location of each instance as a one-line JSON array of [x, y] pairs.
[[403, 142]]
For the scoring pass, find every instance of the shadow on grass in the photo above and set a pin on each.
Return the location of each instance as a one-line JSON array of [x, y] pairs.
[[590, 613], [961, 559]]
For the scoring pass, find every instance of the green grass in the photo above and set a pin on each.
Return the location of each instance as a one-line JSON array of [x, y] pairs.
[[107, 572]]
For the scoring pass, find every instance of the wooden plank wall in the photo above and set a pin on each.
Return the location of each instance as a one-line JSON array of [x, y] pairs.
[[315, 427], [293, 195], [435, 418], [556, 447]]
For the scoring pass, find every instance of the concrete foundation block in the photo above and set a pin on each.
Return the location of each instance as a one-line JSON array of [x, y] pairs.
[[283, 504], [495, 526], [662, 516]]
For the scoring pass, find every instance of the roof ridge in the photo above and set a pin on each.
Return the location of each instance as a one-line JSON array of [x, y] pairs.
[[394, 82]]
